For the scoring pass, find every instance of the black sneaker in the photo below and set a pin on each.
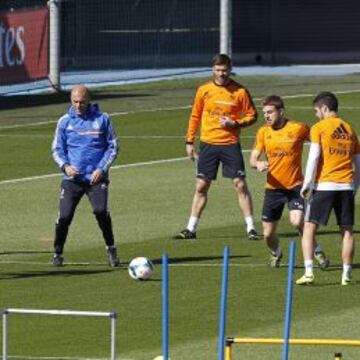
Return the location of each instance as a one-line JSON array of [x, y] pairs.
[[58, 260], [113, 258], [253, 235], [185, 235]]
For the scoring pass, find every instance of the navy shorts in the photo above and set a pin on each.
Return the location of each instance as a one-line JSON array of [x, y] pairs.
[[275, 200], [323, 201], [210, 157]]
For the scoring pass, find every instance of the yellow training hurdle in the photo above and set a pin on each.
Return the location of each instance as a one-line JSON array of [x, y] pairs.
[[278, 341]]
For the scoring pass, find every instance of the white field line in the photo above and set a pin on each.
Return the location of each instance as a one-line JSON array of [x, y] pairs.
[[184, 265], [117, 113], [175, 265], [40, 123], [125, 166], [31, 178]]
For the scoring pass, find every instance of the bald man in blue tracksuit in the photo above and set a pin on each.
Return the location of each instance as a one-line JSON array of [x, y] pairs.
[[84, 147]]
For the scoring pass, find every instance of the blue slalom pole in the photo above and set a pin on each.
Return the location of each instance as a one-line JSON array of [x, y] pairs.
[[288, 301], [165, 307], [223, 305]]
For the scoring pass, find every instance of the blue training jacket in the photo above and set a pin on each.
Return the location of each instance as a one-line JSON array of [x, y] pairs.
[[87, 142]]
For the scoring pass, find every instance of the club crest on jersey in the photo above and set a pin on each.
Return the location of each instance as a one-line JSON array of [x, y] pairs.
[[96, 125]]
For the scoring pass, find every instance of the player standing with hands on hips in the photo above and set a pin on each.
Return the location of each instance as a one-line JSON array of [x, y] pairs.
[[221, 108], [331, 179], [84, 147]]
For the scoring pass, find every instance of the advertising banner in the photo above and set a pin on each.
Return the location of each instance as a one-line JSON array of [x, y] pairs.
[[24, 45]]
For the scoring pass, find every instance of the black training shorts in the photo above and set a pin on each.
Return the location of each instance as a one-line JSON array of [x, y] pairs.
[[275, 200], [210, 157], [323, 201]]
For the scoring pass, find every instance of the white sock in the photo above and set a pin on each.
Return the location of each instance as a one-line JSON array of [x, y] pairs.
[[347, 271], [249, 223], [318, 248], [193, 223], [309, 265]]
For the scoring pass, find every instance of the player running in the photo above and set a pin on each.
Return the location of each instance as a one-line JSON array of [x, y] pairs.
[[332, 176], [281, 141]]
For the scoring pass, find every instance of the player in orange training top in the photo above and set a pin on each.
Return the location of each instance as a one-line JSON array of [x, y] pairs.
[[331, 179], [221, 108], [281, 141]]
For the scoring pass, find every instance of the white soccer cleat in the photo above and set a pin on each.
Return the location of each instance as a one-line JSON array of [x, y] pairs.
[[345, 280], [305, 280]]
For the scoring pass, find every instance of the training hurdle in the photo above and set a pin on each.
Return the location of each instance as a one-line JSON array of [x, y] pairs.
[[286, 341], [165, 306], [279, 341], [6, 312]]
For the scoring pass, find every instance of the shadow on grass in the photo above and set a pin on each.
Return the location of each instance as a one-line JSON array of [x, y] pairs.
[[26, 101], [332, 284], [55, 272], [25, 252]]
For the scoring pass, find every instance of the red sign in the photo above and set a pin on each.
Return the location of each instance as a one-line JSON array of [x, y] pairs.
[[24, 45]]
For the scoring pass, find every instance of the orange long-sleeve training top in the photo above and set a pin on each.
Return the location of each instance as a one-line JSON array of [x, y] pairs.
[[213, 102]]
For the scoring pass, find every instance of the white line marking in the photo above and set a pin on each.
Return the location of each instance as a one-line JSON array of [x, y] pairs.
[[117, 113], [30, 178], [125, 166], [11, 181], [192, 264], [174, 265], [160, 109]]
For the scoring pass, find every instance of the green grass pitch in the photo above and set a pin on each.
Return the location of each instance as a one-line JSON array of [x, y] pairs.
[[150, 201]]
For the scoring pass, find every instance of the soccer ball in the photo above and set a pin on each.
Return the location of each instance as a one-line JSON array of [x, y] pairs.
[[141, 268]]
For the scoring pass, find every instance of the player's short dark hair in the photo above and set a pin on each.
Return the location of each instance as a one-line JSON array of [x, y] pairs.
[[326, 98], [275, 101], [221, 59]]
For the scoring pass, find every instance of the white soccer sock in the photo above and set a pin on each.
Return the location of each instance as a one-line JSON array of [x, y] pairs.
[[318, 248], [193, 223], [309, 266], [249, 223], [347, 271]]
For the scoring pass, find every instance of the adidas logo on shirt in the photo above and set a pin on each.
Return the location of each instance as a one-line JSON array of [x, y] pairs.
[[340, 133]]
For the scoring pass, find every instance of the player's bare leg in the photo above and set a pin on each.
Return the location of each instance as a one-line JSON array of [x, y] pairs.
[[246, 206], [198, 205], [272, 242], [348, 250], [308, 248], [296, 218], [200, 197]]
